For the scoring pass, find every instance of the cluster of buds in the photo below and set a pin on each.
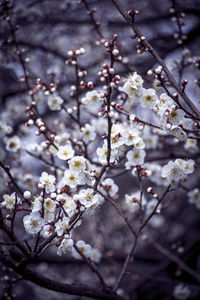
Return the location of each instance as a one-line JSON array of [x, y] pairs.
[[111, 47], [180, 37], [100, 42], [82, 85], [109, 71], [179, 19], [81, 73], [105, 72], [117, 106], [65, 189], [141, 45], [132, 13], [157, 73], [73, 54], [103, 112], [151, 191], [41, 126], [140, 171], [48, 89]]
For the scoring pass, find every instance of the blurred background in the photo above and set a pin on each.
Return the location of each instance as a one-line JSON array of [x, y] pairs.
[[46, 30]]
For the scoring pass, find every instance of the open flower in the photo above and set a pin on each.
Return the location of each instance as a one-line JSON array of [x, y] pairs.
[[77, 164], [172, 171], [176, 116], [62, 225], [149, 98], [110, 186], [70, 178], [55, 102], [103, 154], [83, 248], [65, 152], [87, 198], [48, 182], [194, 197], [10, 201], [13, 144], [134, 201], [93, 97], [88, 133], [33, 223], [135, 157], [65, 246]]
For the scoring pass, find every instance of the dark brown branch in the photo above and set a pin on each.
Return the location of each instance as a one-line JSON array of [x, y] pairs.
[[71, 289]]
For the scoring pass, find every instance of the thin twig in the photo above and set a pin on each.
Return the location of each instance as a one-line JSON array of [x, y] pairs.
[[91, 265]]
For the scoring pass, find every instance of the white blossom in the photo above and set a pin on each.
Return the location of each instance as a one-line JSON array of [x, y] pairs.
[[87, 198], [93, 97], [172, 171], [33, 223], [55, 102], [48, 182], [65, 152], [138, 143], [103, 153], [191, 145], [133, 86], [151, 141], [181, 292], [178, 132], [49, 205], [109, 185], [69, 204], [13, 144], [70, 178], [135, 157], [27, 195], [95, 255], [10, 201], [133, 201], [83, 247], [176, 116], [77, 164], [88, 133], [194, 197], [85, 178], [46, 231], [128, 136], [62, 225], [37, 204], [149, 98], [65, 246], [186, 165]]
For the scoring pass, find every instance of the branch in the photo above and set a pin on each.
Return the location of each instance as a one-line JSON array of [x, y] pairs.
[[153, 52], [71, 289], [91, 265]]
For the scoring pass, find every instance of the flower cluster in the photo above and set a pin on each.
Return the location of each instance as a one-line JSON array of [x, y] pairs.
[[174, 171]]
